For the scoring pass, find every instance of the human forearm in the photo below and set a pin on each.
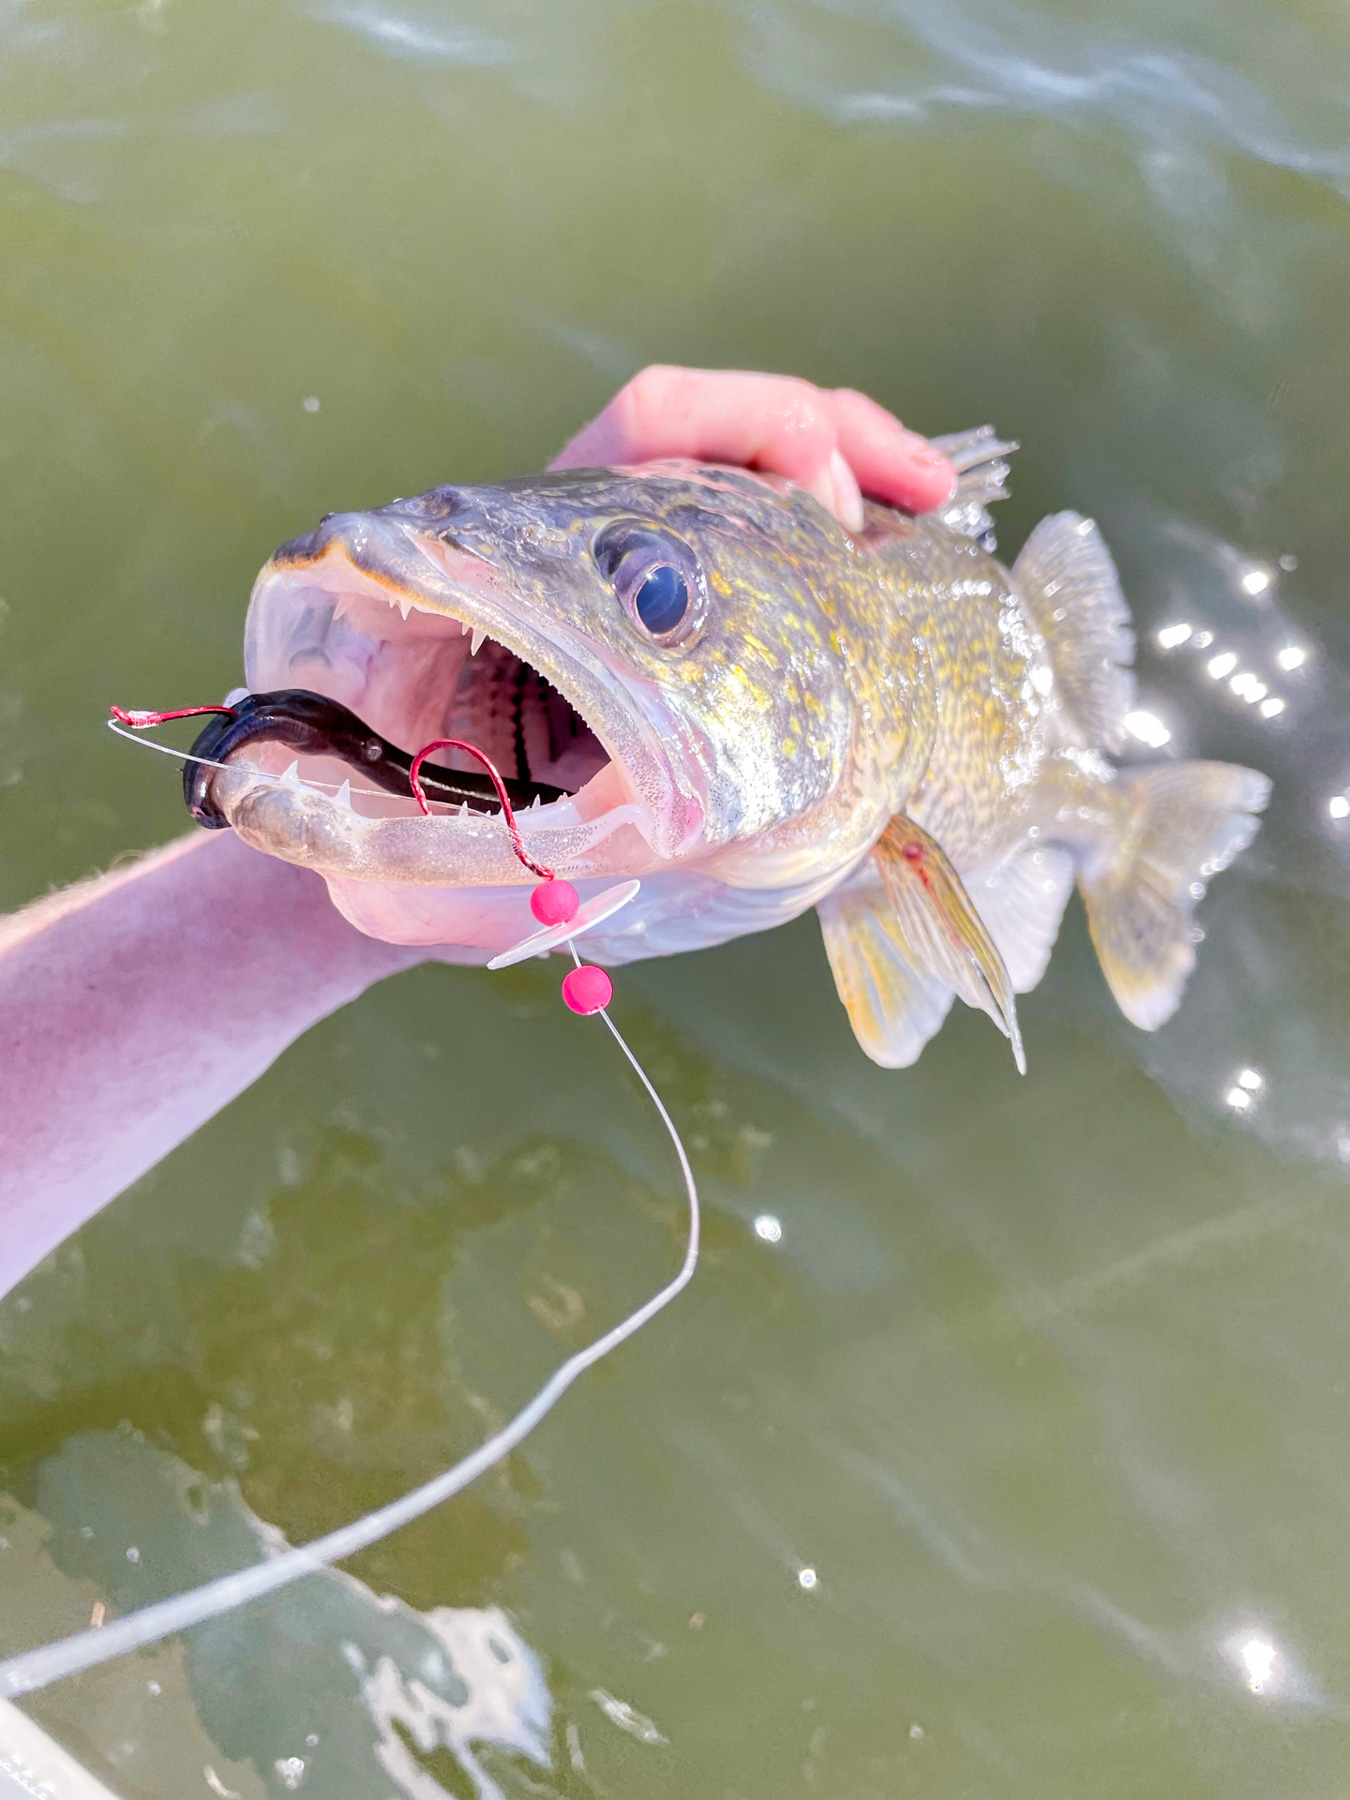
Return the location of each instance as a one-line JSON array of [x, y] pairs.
[[136, 1006]]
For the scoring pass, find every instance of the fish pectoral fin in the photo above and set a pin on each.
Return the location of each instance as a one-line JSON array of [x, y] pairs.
[[893, 1006], [943, 935], [1068, 581]]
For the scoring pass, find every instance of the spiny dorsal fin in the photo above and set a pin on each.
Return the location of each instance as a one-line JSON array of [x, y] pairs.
[[980, 460], [1069, 583], [943, 934]]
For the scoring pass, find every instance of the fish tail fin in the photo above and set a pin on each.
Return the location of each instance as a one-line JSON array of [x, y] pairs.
[[1176, 826]]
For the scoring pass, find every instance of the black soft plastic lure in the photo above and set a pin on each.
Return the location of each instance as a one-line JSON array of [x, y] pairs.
[[312, 725]]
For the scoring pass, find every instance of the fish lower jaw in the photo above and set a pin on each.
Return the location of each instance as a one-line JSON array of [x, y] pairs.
[[316, 813]]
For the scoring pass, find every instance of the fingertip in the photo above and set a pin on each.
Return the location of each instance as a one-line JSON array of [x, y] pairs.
[[647, 418], [656, 404], [891, 462], [820, 485], [929, 481], [847, 505]]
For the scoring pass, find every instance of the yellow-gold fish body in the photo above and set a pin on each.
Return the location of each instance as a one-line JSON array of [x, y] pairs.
[[718, 689]]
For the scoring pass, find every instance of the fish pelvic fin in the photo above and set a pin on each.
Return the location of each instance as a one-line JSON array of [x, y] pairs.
[[1176, 826], [980, 458], [944, 934], [1068, 582], [903, 939], [893, 1006]]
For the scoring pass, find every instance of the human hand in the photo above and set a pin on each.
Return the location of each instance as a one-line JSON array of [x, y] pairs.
[[835, 443]]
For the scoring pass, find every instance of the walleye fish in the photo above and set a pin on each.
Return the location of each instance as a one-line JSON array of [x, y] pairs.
[[698, 677]]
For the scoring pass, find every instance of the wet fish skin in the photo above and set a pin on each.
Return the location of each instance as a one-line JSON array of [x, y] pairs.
[[889, 724]]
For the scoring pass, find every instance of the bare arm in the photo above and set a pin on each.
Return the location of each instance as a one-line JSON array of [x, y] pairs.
[[134, 1007]]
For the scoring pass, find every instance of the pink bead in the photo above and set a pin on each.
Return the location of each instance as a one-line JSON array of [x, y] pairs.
[[587, 989], [555, 903]]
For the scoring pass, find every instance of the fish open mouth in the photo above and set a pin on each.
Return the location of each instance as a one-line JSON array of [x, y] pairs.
[[421, 640], [309, 724]]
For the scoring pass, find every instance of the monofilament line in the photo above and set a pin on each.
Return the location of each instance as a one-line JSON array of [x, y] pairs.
[[233, 768], [35, 1669]]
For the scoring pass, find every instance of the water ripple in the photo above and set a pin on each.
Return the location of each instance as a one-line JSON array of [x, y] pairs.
[[1016, 61], [405, 35]]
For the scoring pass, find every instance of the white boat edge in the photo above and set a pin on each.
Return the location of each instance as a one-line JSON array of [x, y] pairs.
[[33, 1766]]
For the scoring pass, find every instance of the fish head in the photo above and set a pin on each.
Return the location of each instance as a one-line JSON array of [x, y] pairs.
[[669, 646]]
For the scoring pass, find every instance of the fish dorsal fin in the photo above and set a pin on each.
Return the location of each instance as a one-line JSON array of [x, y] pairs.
[[1069, 583], [980, 460], [893, 1007], [944, 935]]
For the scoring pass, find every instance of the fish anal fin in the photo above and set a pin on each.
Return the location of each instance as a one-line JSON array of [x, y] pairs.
[[1068, 581], [943, 934], [893, 1007], [1022, 901], [1176, 826]]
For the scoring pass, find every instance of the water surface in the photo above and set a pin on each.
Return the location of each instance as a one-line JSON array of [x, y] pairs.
[[1045, 1379]]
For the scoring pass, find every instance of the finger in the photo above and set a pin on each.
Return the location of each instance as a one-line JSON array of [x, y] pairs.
[[847, 506], [890, 462], [771, 422]]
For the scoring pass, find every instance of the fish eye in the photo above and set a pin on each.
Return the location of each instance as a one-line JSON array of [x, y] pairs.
[[655, 578], [662, 600]]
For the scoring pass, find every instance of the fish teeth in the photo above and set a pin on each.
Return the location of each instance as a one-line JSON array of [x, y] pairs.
[[344, 797], [475, 642]]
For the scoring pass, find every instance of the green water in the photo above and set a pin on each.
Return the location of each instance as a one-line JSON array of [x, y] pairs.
[[1046, 1379]]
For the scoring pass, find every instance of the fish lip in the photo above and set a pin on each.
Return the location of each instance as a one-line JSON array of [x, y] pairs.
[[412, 568]]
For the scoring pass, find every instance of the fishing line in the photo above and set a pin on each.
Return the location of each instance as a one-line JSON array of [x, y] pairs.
[[586, 990], [34, 1669], [504, 799], [207, 762]]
